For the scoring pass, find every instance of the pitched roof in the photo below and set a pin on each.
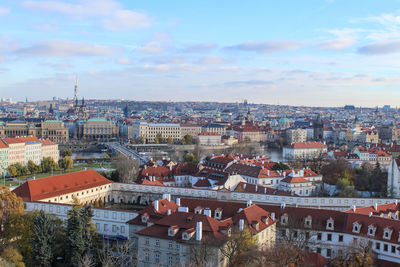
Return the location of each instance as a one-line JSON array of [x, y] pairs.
[[3, 145], [24, 139], [52, 186], [307, 145], [294, 180], [47, 143]]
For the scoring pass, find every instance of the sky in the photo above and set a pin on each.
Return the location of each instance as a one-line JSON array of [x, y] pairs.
[[313, 53]]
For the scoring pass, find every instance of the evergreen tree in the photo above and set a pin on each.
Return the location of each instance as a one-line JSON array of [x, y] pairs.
[[80, 234], [43, 241]]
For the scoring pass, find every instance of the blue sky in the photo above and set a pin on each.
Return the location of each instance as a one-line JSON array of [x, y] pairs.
[[316, 53]]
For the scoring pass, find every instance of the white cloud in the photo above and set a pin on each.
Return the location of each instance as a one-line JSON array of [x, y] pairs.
[[158, 44], [4, 11], [124, 61], [267, 47], [212, 60], [108, 13], [379, 48], [337, 44], [64, 48], [199, 47]]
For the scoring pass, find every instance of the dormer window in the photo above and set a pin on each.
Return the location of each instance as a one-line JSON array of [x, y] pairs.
[[198, 210], [330, 224], [172, 230], [144, 218], [371, 230], [356, 227], [387, 233], [284, 219], [218, 214], [308, 221]]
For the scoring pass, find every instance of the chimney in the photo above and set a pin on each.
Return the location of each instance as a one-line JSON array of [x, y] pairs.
[[265, 190], [156, 205], [283, 205], [272, 216], [256, 188], [376, 206], [178, 201], [170, 168], [183, 209], [169, 212], [207, 212], [241, 225], [145, 167], [370, 214], [167, 197], [354, 208], [267, 172], [199, 231]]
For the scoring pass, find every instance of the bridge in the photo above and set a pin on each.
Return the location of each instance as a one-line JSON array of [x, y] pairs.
[[129, 153]]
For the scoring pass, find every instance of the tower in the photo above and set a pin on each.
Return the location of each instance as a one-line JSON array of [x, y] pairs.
[[318, 126], [76, 90]]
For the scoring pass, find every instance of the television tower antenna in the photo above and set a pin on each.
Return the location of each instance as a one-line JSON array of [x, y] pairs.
[[76, 89]]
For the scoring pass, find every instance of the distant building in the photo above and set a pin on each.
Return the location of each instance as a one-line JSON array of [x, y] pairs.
[[296, 135], [209, 139], [393, 182], [150, 131], [304, 150], [318, 126]]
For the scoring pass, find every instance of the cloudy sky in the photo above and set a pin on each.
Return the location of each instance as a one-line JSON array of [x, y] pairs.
[[317, 53]]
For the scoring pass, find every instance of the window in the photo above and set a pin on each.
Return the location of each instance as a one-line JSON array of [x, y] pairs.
[[329, 237], [157, 258], [114, 228], [170, 260], [318, 250], [169, 244], [177, 245], [385, 247], [328, 252], [157, 242], [319, 236], [147, 241], [146, 257], [393, 249], [340, 239], [377, 246], [105, 227], [122, 229]]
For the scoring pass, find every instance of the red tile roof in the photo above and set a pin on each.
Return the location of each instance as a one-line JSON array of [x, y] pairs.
[[3, 145], [294, 180], [307, 145], [53, 186], [23, 139], [47, 143], [202, 183]]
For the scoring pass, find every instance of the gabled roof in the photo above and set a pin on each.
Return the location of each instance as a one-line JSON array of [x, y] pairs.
[[52, 186]]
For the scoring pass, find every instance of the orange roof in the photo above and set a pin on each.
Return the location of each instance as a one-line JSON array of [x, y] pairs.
[[307, 145], [3, 145], [47, 143], [35, 190], [292, 180], [23, 139]]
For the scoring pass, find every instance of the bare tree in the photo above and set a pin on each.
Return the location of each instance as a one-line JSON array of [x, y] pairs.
[[127, 168], [201, 254]]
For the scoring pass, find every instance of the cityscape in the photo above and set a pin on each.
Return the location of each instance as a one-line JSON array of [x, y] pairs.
[[152, 135]]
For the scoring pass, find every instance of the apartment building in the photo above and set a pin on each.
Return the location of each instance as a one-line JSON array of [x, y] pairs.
[[4, 154], [296, 135], [87, 186], [174, 239], [50, 149], [149, 131], [190, 129], [23, 149], [304, 150]]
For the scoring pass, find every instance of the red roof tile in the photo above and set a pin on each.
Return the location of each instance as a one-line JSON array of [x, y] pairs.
[[34, 190]]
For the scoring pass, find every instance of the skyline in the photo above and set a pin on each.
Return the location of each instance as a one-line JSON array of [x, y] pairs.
[[319, 53]]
